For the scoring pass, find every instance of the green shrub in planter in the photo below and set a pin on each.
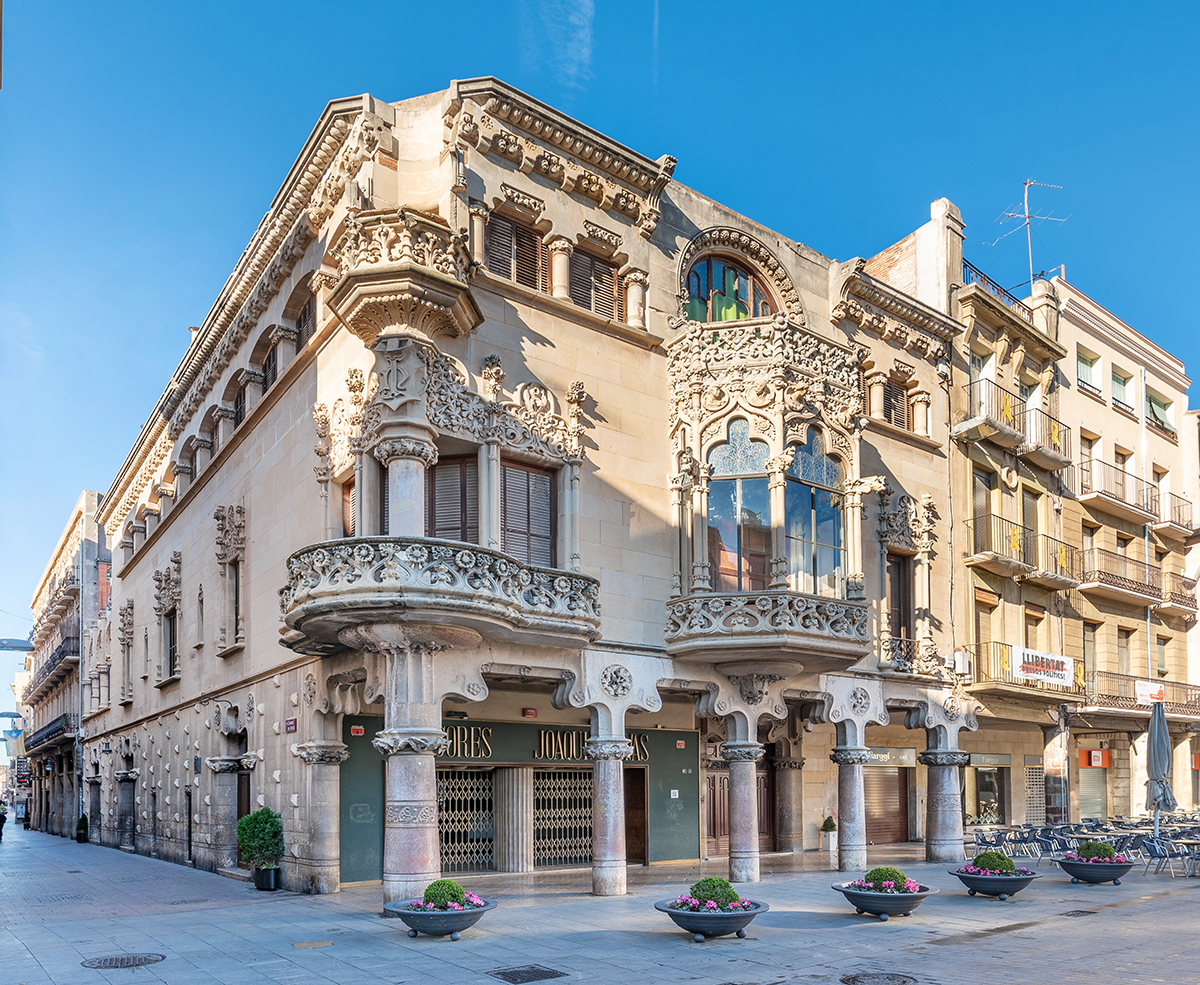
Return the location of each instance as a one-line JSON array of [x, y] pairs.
[[260, 838], [829, 824], [1096, 849], [81, 828], [714, 888], [443, 891], [885, 873], [995, 861]]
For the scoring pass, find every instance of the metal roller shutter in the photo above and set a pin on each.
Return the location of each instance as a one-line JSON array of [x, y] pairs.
[[886, 790], [1093, 792]]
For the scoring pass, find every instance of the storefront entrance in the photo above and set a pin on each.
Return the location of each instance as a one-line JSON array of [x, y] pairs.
[[717, 812], [885, 790]]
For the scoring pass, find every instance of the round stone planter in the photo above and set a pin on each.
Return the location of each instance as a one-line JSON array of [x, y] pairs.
[[439, 923], [1002, 887], [1093, 872], [702, 925], [883, 905]]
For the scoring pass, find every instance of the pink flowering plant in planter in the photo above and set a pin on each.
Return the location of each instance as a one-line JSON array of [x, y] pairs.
[[445, 894], [994, 864], [1095, 851], [885, 879], [712, 895]]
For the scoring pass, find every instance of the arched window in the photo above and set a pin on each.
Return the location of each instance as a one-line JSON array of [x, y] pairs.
[[739, 513], [719, 290], [816, 551], [239, 407]]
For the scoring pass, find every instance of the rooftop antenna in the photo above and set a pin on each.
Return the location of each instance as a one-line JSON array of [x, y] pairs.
[[1027, 220]]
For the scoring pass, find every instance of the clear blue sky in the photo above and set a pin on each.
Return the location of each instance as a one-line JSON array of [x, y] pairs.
[[140, 145]]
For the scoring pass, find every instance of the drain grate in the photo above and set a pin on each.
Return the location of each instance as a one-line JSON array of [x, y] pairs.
[[877, 978], [1079, 913], [123, 960], [69, 871], [526, 973], [66, 898]]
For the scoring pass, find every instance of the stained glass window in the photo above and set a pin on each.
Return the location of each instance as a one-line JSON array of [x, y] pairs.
[[811, 464], [740, 454], [722, 291], [813, 520]]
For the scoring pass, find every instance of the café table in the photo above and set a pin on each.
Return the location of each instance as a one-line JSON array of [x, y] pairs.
[[1192, 845]]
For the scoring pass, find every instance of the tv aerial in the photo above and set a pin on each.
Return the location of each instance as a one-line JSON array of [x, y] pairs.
[[1027, 219]]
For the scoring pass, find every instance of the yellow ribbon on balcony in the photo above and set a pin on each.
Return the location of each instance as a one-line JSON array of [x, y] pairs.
[[1055, 436], [1005, 664], [1079, 678], [1006, 408], [1062, 556], [1014, 539]]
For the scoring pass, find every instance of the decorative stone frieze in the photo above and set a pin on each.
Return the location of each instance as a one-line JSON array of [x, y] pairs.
[[944, 757], [398, 742], [391, 449], [608, 749], [168, 585], [231, 532]]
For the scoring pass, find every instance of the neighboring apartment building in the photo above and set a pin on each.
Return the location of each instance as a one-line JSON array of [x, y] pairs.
[[71, 596]]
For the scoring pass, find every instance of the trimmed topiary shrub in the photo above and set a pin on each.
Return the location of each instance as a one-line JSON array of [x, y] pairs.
[[1095, 849], [829, 824], [443, 892], [885, 873], [995, 861], [714, 888], [260, 838]]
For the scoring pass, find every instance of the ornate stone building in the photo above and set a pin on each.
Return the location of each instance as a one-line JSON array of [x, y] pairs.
[[516, 505]]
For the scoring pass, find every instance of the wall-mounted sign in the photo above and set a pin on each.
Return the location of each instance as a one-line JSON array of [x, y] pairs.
[[991, 759], [357, 730], [1034, 760], [1196, 760], [1149, 692], [289, 725], [522, 742], [883, 756], [1095, 759], [680, 744], [529, 713], [1033, 665]]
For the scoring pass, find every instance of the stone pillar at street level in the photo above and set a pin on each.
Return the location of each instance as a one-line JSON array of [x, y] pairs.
[[126, 787], [852, 812], [324, 758], [512, 793], [1056, 766], [943, 805], [743, 809], [608, 814], [411, 854], [223, 808], [789, 805]]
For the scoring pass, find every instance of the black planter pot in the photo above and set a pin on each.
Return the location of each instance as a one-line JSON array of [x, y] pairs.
[[1002, 887], [702, 925], [1093, 872], [439, 923], [883, 905], [81, 839], [266, 879]]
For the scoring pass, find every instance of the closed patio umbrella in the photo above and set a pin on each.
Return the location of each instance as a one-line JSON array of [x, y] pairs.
[[1158, 764]]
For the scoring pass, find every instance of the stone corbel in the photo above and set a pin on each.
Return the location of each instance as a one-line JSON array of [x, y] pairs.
[[614, 686]]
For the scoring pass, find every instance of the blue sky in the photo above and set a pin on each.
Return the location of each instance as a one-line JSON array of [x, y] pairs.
[[140, 145]]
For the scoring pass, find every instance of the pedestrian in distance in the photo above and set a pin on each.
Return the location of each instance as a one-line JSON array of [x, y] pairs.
[[3, 821]]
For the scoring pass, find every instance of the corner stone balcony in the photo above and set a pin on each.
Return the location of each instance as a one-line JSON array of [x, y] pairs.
[[451, 588], [747, 630]]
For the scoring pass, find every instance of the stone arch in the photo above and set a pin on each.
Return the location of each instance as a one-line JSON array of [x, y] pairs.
[[750, 251]]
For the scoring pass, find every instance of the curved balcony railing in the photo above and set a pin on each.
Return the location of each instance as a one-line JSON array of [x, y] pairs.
[[1171, 508], [419, 579], [1125, 573], [48, 733], [1179, 589], [59, 657]]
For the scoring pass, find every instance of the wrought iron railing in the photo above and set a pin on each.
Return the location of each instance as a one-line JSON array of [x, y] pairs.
[[1044, 431], [1120, 571], [1180, 589], [997, 663], [1091, 388], [993, 402], [47, 733], [1058, 558], [1171, 508], [69, 647], [1111, 690], [1159, 428], [1100, 477], [973, 275], [993, 534]]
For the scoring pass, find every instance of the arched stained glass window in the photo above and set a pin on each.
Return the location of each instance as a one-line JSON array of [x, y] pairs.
[[813, 529], [740, 454], [719, 290], [811, 464]]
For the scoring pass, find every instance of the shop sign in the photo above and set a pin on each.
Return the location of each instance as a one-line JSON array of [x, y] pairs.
[[1034, 760], [1095, 759], [23, 771], [1148, 692], [991, 759], [1196, 760], [519, 742], [1050, 668], [883, 756]]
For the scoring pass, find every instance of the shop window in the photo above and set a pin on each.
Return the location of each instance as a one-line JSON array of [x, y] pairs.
[[453, 510], [528, 513], [516, 252], [594, 285], [983, 793], [719, 291]]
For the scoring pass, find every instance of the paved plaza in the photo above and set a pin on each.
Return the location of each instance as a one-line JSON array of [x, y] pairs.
[[64, 903]]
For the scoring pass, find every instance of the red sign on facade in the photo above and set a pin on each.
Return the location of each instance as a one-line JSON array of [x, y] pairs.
[[290, 725], [358, 730]]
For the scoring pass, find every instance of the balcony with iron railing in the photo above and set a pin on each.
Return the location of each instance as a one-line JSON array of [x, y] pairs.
[[1047, 440], [1000, 546], [1107, 574], [1115, 491], [1178, 595], [1056, 564], [1003, 668], [993, 413], [58, 665], [60, 728], [1106, 689], [1158, 427], [1174, 513], [973, 275]]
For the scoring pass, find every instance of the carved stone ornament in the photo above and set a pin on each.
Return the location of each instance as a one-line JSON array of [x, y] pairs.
[[231, 533], [410, 814], [167, 586], [736, 752], [789, 764], [310, 688], [851, 757], [394, 449], [396, 742], [860, 701], [320, 753], [616, 680], [907, 524], [224, 764], [878, 308], [608, 748], [722, 239], [125, 625], [944, 757], [404, 236], [127, 776], [522, 200], [602, 235], [754, 687]]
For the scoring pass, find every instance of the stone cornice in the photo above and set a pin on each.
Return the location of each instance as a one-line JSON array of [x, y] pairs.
[[902, 307]]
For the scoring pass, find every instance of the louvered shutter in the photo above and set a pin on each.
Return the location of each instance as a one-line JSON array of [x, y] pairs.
[[270, 368], [622, 307], [500, 246], [454, 501], [604, 288], [348, 509], [541, 519], [528, 514], [528, 257], [581, 280]]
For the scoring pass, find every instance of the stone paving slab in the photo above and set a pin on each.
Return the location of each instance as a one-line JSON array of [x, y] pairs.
[[214, 931]]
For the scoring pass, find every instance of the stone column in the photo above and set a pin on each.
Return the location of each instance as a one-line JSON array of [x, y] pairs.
[[479, 218], [411, 854], [283, 337], [920, 410], [789, 805], [875, 384], [943, 805], [203, 445], [635, 298], [700, 572], [406, 460], [325, 758], [777, 485], [490, 524], [743, 809], [1056, 766], [70, 814], [608, 814], [223, 808], [852, 813], [560, 251], [512, 792]]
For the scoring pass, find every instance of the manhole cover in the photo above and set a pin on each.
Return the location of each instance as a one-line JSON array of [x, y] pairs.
[[123, 960], [186, 902], [526, 973], [311, 944], [1078, 913], [877, 978]]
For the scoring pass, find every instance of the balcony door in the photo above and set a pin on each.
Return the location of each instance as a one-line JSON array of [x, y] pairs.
[[982, 484]]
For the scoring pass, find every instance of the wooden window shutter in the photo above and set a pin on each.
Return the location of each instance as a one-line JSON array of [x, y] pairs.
[[270, 368], [895, 405], [622, 308], [528, 258], [500, 246], [454, 501], [348, 508], [604, 288], [528, 514], [581, 280]]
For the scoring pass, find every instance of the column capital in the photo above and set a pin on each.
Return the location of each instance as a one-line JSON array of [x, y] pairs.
[[391, 449], [789, 764], [850, 756], [224, 764], [560, 244], [411, 742], [944, 757], [741, 751], [479, 210], [127, 776], [93, 779], [322, 752], [638, 277], [611, 748], [920, 397]]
